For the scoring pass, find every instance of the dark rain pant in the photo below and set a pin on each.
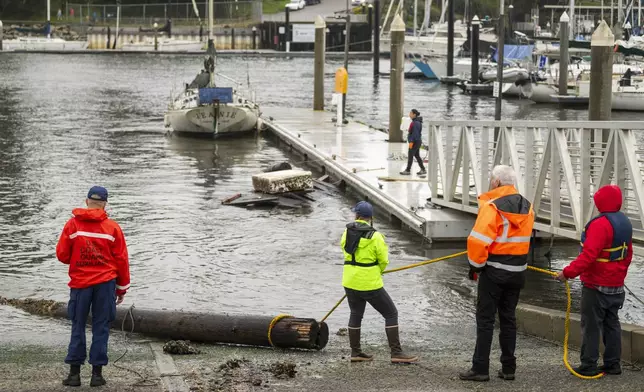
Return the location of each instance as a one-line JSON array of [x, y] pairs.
[[101, 298], [599, 314], [414, 152], [379, 299], [493, 297]]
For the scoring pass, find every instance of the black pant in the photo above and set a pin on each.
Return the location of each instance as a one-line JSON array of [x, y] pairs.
[[493, 297], [379, 299], [414, 152], [599, 314]]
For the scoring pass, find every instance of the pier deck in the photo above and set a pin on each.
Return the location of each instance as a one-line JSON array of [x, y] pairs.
[[369, 165]]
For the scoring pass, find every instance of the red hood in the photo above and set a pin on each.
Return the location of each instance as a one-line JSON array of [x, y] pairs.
[[93, 214], [608, 198]]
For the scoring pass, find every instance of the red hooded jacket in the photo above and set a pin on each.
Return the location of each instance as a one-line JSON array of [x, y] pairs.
[[95, 249], [599, 235]]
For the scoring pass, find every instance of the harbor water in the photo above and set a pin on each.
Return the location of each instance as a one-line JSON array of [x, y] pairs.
[[71, 121]]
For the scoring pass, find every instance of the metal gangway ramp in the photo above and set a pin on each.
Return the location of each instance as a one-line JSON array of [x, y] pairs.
[[559, 165]]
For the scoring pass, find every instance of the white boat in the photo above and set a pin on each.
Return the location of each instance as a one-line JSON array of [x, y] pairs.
[[164, 45], [434, 42], [188, 115], [206, 110], [42, 44], [510, 74]]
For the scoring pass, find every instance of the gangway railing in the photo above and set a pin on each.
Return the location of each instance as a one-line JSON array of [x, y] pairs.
[[559, 166]]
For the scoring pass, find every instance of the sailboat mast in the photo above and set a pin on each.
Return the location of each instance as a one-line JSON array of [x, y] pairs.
[[49, 18], [415, 15], [211, 43]]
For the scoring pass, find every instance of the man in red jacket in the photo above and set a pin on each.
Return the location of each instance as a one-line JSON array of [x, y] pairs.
[[603, 263], [94, 247]]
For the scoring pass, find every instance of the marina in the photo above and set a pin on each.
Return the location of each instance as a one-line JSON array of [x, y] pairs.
[[233, 194]]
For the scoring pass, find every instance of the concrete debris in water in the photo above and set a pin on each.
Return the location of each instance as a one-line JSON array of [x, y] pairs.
[[233, 364], [283, 369], [342, 332], [180, 347], [40, 307]]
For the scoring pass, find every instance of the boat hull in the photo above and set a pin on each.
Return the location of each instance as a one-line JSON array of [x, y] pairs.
[[199, 121], [42, 44], [164, 46]]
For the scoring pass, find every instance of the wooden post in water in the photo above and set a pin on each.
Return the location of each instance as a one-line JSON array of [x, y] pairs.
[[397, 73], [601, 74], [156, 38], [563, 53], [287, 28], [254, 37], [376, 38], [320, 48], [109, 36], [450, 37], [1, 34], [475, 49]]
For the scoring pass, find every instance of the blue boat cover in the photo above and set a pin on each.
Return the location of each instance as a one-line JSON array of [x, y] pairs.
[[515, 52], [209, 94]]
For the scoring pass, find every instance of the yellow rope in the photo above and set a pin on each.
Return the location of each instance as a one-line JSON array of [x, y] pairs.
[[272, 324], [566, 327], [544, 271]]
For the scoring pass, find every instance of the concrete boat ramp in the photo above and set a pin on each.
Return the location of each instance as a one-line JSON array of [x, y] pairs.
[[363, 159]]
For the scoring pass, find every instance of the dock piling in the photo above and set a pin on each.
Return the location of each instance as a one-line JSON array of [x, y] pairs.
[[498, 84], [475, 49], [254, 37], [563, 53], [601, 73], [1, 33], [397, 72], [376, 38], [287, 28], [320, 47], [450, 38]]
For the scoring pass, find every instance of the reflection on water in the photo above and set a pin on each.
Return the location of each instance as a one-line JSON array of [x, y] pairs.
[[73, 121]]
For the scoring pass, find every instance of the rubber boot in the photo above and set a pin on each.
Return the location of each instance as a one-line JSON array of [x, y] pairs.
[[397, 354], [97, 377], [356, 353], [73, 379]]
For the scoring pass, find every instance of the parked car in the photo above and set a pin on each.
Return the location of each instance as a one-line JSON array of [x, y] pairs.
[[295, 5], [357, 3], [312, 2]]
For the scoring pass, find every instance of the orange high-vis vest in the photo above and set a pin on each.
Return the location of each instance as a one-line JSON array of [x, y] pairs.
[[500, 238]]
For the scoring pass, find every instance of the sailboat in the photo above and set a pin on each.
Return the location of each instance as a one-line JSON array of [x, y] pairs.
[[43, 43], [204, 109]]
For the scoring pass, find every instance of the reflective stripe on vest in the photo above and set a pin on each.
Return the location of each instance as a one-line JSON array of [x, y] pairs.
[[622, 236]]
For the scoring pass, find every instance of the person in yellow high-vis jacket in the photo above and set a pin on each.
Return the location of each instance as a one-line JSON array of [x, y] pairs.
[[366, 257]]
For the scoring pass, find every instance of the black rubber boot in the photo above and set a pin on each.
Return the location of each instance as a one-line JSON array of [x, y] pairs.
[[356, 353], [97, 377], [613, 370], [587, 370], [397, 354], [73, 379], [506, 375], [471, 375]]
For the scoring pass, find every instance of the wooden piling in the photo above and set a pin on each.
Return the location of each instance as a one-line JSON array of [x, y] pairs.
[[254, 37], [474, 47], [376, 38], [563, 53], [397, 71], [601, 73], [320, 48], [287, 29], [450, 38], [281, 331], [1, 35]]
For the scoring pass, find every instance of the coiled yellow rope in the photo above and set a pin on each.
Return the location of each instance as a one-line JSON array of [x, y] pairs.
[[272, 324], [551, 273], [566, 327]]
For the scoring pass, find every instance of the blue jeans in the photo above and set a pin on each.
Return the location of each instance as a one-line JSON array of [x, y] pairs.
[[101, 298]]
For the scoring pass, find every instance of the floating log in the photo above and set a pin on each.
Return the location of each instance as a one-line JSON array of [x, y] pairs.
[[286, 332]]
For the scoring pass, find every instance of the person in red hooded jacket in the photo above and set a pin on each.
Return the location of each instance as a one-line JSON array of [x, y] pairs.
[[94, 247], [602, 265]]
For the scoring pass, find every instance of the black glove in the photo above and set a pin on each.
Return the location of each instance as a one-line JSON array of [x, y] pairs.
[[472, 275]]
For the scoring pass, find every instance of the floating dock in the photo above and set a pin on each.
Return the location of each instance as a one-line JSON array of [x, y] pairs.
[[365, 162]]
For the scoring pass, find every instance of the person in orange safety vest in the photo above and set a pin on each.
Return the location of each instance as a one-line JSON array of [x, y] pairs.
[[497, 249]]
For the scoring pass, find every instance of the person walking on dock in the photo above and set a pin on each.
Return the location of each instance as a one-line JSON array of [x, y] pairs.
[[602, 265], [366, 256], [94, 247], [415, 140], [497, 249]]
